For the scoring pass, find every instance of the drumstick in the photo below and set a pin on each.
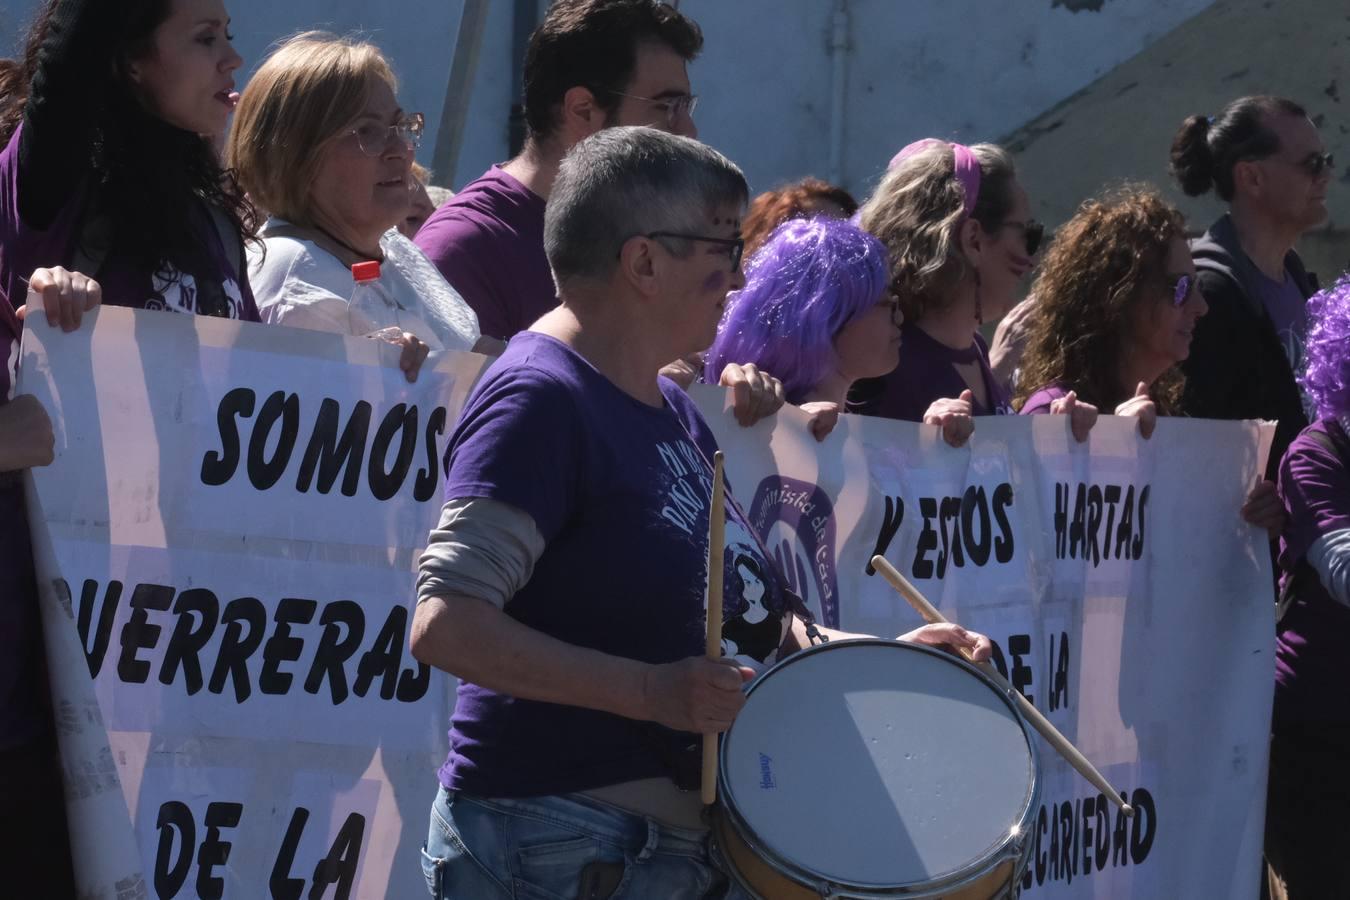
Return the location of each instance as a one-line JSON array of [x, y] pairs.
[[716, 536], [1032, 714]]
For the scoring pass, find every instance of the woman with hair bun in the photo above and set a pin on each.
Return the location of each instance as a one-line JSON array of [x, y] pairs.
[[815, 310], [1308, 805], [1264, 158], [958, 227]]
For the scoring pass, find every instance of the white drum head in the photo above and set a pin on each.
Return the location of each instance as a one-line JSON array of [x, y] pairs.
[[877, 764]]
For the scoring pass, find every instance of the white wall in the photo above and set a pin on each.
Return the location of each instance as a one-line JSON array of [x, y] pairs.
[[967, 69]]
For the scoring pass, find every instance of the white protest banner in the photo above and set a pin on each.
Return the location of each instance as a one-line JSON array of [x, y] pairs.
[[227, 542], [1127, 599]]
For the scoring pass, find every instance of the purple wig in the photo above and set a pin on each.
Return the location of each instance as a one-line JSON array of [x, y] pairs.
[[1327, 379], [809, 279]]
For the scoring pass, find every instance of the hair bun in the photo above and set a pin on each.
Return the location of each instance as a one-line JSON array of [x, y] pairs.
[[1192, 163]]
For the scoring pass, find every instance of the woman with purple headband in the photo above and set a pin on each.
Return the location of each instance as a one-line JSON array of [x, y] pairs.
[[1308, 807], [815, 310], [959, 231]]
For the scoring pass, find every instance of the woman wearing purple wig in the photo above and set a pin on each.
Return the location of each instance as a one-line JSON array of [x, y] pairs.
[[815, 311], [1308, 808]]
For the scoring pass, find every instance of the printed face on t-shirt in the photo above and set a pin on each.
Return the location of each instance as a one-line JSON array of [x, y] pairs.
[[187, 78]]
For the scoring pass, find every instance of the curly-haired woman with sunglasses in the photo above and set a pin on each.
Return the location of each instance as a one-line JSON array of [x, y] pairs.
[[958, 228], [1264, 158], [1116, 310], [321, 143]]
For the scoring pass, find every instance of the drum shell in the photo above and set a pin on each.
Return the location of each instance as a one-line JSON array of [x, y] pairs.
[[993, 876]]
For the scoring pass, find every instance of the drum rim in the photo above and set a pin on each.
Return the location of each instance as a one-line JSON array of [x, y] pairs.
[[1013, 848]]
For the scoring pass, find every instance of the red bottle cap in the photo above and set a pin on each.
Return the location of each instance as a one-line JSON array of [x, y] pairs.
[[366, 271]]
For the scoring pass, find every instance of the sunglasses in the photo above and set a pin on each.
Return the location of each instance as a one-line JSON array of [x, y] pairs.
[[1182, 289], [1033, 233], [735, 246], [1318, 163]]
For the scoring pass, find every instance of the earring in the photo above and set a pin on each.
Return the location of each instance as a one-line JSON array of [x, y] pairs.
[[979, 307]]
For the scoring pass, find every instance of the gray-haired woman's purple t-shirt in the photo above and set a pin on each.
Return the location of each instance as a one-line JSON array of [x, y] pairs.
[[620, 491]]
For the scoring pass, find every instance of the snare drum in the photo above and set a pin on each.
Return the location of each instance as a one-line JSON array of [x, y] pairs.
[[876, 768]]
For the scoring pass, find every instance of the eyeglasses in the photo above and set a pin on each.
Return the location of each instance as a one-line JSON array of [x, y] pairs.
[[374, 139], [1032, 233], [673, 107], [735, 246], [1182, 289]]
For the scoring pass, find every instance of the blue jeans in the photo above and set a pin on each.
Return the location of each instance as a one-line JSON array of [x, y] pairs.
[[536, 848]]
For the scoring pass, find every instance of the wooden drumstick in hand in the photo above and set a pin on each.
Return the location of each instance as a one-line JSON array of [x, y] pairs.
[[1033, 715], [716, 538]]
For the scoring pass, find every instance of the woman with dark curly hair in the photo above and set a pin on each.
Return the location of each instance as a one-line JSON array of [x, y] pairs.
[[1116, 307], [803, 199], [108, 164], [1307, 821], [958, 228]]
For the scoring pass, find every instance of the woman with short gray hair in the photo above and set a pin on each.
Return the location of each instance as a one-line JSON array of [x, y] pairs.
[[564, 585]]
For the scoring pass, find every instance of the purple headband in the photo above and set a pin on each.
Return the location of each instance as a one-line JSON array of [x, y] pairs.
[[965, 167]]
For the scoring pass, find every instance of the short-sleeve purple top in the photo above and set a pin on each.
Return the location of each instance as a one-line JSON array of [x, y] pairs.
[[620, 492], [1311, 687], [1039, 402], [24, 248], [488, 242], [926, 373]]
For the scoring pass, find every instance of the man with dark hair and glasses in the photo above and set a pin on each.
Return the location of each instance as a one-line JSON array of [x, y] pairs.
[[1264, 157], [590, 65]]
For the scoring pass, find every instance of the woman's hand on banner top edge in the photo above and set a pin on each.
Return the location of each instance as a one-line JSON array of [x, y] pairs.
[[824, 417], [953, 417], [1082, 415], [755, 395], [66, 296]]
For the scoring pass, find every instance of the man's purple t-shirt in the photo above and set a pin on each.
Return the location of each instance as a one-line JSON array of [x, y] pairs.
[[488, 242], [21, 673], [927, 373], [620, 492], [1039, 402], [23, 249], [1311, 689], [1288, 312]]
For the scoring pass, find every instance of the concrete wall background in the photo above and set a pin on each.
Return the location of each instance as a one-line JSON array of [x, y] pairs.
[[1084, 91]]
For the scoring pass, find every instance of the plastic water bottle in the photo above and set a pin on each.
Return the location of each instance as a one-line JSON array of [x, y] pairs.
[[371, 311]]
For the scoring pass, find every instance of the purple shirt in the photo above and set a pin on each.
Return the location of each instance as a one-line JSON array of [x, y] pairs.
[[620, 492], [1040, 401], [927, 372], [22, 679], [1311, 688], [488, 242], [1288, 312], [23, 249]]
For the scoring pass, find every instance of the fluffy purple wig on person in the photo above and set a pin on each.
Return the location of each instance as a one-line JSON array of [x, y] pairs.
[[809, 279], [1327, 349]]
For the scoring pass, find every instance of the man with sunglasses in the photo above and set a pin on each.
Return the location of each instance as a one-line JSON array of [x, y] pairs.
[[1264, 157]]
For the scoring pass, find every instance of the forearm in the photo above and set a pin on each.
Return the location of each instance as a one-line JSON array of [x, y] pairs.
[[476, 642]]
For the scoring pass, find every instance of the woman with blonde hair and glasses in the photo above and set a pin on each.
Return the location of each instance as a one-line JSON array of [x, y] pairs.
[[321, 143], [958, 228]]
